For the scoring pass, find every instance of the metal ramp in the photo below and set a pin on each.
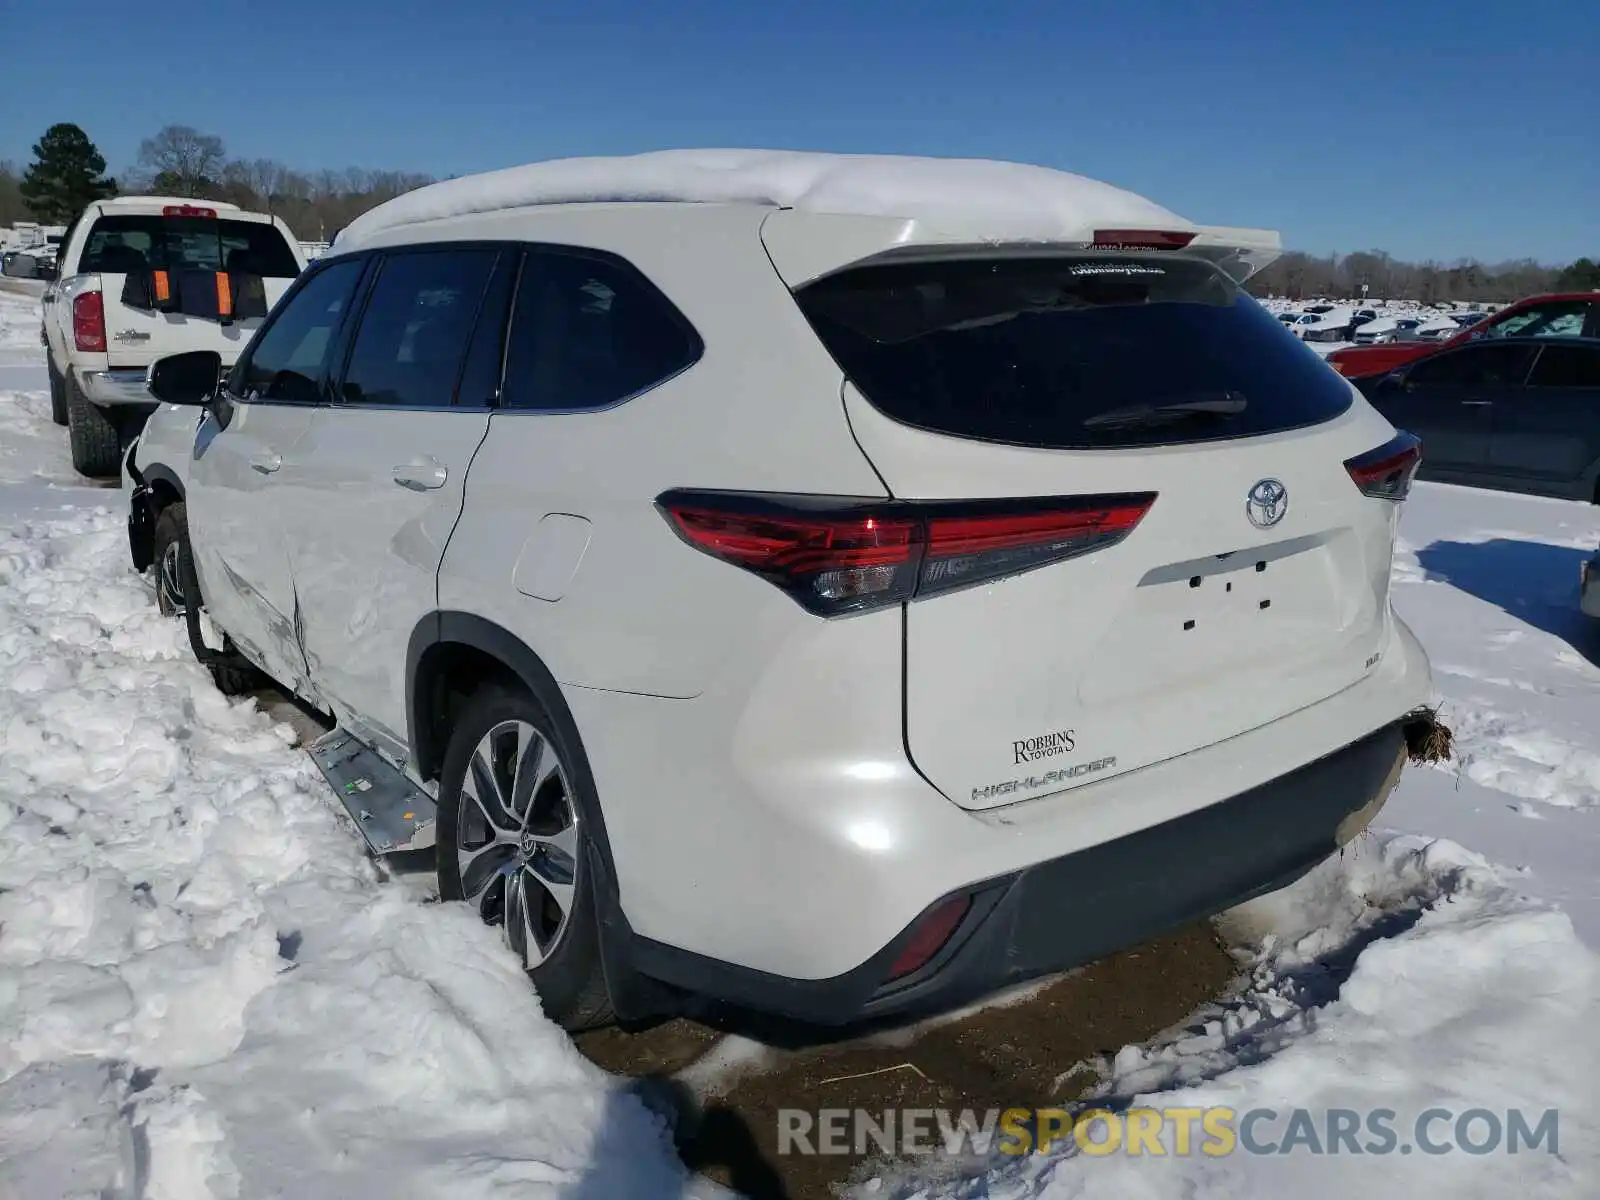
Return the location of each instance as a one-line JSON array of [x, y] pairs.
[[392, 813]]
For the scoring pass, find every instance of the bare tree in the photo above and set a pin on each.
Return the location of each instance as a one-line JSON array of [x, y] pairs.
[[182, 159]]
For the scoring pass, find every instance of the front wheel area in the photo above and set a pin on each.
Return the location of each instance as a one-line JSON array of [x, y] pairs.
[[512, 842]]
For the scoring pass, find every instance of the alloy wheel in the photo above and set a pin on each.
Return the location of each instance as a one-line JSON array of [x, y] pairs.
[[517, 838]]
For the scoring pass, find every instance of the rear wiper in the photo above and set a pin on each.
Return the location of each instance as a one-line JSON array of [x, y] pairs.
[[1135, 416]]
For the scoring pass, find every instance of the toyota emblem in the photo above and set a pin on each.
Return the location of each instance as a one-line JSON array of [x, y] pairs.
[[1266, 503]]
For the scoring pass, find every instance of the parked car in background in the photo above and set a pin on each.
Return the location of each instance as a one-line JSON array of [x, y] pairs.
[[1330, 326], [1362, 317], [1435, 330], [824, 763], [1589, 587], [1385, 330], [144, 276], [1520, 414], [1572, 314]]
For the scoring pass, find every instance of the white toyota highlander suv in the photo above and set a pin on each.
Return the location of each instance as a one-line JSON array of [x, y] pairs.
[[835, 586]]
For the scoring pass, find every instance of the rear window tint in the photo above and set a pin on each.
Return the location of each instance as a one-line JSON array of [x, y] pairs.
[[1084, 351], [127, 245]]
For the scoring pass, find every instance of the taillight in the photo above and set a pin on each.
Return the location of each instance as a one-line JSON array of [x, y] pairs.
[[188, 210], [841, 556], [89, 322], [1386, 472], [1142, 239]]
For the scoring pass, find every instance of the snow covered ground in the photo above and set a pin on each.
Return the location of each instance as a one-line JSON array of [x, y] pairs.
[[207, 992]]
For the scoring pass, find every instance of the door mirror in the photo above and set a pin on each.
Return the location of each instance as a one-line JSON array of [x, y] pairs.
[[190, 378]]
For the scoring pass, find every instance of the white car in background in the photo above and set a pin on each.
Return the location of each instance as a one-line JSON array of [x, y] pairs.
[[145, 276], [1436, 329], [1330, 326], [761, 576]]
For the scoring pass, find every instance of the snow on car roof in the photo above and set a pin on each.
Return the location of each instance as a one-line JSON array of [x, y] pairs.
[[1005, 199]]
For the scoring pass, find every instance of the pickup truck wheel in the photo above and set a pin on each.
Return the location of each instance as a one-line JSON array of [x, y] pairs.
[[171, 543], [512, 842], [58, 395], [96, 448]]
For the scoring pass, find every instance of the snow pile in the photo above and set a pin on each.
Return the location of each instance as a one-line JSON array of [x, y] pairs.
[[1491, 580], [19, 324], [1010, 199], [1405, 975], [205, 989]]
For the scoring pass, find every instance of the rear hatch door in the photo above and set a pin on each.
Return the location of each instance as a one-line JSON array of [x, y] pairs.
[[186, 277], [1254, 585]]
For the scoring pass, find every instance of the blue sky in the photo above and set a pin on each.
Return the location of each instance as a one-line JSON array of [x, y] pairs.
[[1428, 129]]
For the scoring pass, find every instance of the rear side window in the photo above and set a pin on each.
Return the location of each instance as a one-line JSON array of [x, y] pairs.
[[1070, 352], [289, 359], [1478, 365], [1560, 366], [127, 245], [415, 328], [590, 331]]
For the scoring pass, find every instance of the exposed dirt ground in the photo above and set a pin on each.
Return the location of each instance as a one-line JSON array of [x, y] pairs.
[[1021, 1054]]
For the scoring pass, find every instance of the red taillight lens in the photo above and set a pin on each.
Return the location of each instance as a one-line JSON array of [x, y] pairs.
[[89, 322], [837, 557], [187, 210], [1386, 472], [1142, 239], [930, 935]]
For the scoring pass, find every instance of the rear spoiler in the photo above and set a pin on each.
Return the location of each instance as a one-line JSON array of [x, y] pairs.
[[1239, 252], [805, 247]]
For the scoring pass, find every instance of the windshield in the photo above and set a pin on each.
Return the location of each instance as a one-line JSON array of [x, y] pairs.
[[129, 245], [1070, 351]]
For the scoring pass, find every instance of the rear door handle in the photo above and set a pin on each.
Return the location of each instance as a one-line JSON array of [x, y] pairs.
[[266, 463], [421, 476]]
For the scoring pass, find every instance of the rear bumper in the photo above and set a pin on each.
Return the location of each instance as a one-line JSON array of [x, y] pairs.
[[775, 825], [1589, 587], [119, 385], [1071, 910]]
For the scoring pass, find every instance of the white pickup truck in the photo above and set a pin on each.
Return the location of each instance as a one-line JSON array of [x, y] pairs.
[[141, 277]]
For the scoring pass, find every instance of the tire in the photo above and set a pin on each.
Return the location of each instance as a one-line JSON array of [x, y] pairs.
[[96, 448], [58, 394], [552, 849], [171, 536], [171, 544]]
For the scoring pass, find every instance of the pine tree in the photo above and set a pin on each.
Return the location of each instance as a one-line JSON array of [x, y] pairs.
[[65, 176]]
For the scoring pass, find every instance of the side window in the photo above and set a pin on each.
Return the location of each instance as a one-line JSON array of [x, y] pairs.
[[590, 331], [414, 331], [289, 360], [1564, 366], [480, 378], [1474, 366], [1561, 318]]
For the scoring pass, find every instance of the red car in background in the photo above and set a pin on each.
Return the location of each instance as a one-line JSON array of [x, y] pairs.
[[1569, 314]]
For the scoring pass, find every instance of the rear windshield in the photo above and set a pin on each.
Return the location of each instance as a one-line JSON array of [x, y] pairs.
[[1070, 352], [127, 245]]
